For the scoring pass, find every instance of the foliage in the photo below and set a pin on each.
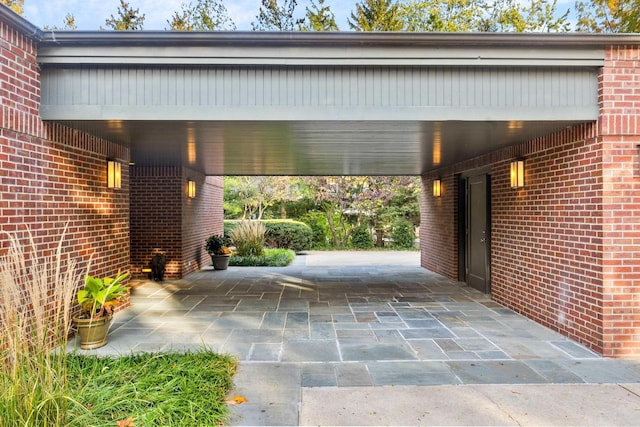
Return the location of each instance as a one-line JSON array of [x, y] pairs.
[[318, 223], [270, 258], [511, 16], [248, 238], [35, 315], [128, 19], [318, 18], [217, 245], [16, 5], [248, 197], [273, 17], [403, 234], [483, 15], [361, 238], [376, 15], [441, 15], [100, 296], [288, 234], [150, 389], [205, 15], [608, 16]]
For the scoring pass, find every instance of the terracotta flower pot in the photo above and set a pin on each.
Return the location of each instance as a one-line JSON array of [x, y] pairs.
[[93, 332]]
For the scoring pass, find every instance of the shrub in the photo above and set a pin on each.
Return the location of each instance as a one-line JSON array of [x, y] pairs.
[[403, 234], [35, 316], [318, 223], [361, 238], [288, 234], [281, 233], [248, 238], [270, 258]]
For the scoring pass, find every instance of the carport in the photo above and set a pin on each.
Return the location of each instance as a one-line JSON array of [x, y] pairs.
[[179, 110]]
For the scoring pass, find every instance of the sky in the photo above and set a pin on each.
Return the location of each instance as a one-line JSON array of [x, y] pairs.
[[91, 14]]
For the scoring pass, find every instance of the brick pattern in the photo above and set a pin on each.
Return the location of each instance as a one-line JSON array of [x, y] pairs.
[[202, 217], [565, 247], [164, 219], [438, 226], [51, 175], [619, 97], [156, 211]]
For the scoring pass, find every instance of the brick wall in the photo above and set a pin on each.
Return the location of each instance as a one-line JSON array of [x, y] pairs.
[[164, 219], [156, 223], [438, 226], [203, 216], [565, 248], [51, 175], [619, 128]]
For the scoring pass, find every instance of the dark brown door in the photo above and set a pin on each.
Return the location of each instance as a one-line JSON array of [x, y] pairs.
[[478, 229]]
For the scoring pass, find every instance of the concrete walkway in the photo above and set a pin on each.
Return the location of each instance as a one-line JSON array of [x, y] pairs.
[[370, 338]]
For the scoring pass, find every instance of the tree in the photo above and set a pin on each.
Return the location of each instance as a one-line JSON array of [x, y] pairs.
[[318, 18], [69, 24], [16, 5], [441, 15], [248, 197], [376, 15], [128, 19], [608, 16], [511, 16], [205, 15], [273, 17]]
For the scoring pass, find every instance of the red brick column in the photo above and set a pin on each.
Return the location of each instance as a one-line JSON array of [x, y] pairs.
[[164, 219], [619, 130]]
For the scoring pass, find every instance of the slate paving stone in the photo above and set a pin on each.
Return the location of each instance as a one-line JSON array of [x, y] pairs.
[[256, 335], [602, 371], [352, 375], [476, 344], [574, 349], [273, 320], [411, 373], [322, 331], [426, 333], [553, 372], [423, 323], [495, 372], [297, 320], [310, 351], [428, 350], [388, 335], [382, 351]]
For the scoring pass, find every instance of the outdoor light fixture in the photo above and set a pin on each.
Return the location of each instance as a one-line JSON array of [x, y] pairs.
[[517, 174], [191, 189], [437, 188], [114, 174]]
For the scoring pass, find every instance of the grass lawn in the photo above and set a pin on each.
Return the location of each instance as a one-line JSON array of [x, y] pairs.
[[152, 389]]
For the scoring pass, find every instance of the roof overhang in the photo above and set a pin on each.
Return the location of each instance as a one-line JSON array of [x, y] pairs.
[[349, 139]]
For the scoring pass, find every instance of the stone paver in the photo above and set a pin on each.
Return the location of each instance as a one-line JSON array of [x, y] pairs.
[[350, 320]]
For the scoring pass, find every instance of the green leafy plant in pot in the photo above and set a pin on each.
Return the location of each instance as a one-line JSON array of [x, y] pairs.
[[97, 300], [217, 248]]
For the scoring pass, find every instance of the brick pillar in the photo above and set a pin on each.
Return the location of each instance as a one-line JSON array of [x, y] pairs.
[[619, 130], [164, 219]]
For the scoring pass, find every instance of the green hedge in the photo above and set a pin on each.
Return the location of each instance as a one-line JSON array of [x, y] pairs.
[[282, 233], [361, 238]]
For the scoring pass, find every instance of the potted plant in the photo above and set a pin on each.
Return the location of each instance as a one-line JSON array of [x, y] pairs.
[[97, 300], [217, 248]]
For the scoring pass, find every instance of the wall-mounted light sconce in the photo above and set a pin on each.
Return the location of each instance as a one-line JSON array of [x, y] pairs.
[[191, 189], [437, 188], [114, 174], [517, 174]]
